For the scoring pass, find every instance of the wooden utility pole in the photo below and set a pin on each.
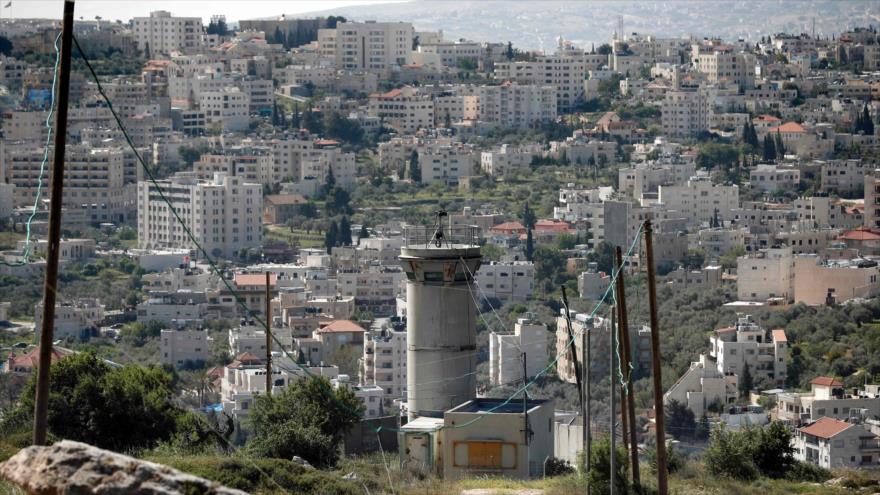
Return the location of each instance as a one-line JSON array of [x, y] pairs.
[[629, 406], [613, 433], [50, 284], [527, 430], [268, 338], [582, 395], [660, 427]]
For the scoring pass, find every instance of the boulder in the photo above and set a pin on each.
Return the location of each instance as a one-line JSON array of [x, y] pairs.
[[72, 468]]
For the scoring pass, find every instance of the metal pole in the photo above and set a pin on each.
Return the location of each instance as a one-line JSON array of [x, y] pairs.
[[630, 404], [660, 427], [613, 432], [50, 285], [588, 435], [268, 338], [526, 430]]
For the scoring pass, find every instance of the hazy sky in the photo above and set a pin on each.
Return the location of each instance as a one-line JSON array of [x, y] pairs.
[[126, 9]]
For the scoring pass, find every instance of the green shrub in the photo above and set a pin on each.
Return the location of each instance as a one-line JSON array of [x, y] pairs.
[[600, 467], [806, 472]]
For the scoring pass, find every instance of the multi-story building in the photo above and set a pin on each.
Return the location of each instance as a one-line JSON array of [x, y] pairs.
[[845, 177], [506, 281], [446, 162], [766, 274], [828, 398], [699, 200], [747, 344], [565, 70], [162, 33], [833, 444], [75, 319], [226, 109], [375, 290], [506, 351], [93, 181], [505, 159], [454, 53], [872, 200], [510, 105], [818, 281], [722, 65], [223, 214], [648, 177], [251, 165], [685, 112], [772, 178], [374, 46], [184, 347], [384, 362], [405, 109], [598, 330]]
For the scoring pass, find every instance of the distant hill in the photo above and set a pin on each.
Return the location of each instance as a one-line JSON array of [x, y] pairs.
[[536, 24]]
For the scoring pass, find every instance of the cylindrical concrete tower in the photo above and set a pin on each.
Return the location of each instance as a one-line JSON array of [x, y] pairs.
[[441, 316]]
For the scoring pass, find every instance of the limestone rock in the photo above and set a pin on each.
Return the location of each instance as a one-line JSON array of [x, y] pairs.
[[73, 468]]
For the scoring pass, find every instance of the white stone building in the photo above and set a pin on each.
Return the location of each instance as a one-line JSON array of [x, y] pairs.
[[699, 200], [184, 347], [377, 47], [685, 113], [506, 281], [224, 214], [772, 178], [226, 109], [766, 274], [384, 363], [162, 33], [405, 109], [72, 319], [833, 444], [506, 349]]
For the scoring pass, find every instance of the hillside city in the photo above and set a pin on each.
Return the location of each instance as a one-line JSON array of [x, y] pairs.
[[335, 255]]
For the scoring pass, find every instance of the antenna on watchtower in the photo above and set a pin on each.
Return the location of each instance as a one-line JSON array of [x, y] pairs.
[[438, 232]]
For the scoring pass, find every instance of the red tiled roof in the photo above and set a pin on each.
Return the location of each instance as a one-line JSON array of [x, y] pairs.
[[326, 142], [826, 381], [341, 326], [779, 335], [789, 127], [31, 359], [508, 227], [552, 225], [726, 330], [826, 427], [247, 357], [255, 279], [860, 234], [766, 118]]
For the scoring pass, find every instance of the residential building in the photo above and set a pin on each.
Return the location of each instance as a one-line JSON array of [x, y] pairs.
[[828, 398], [845, 177], [505, 159], [707, 277], [447, 162], [685, 113], [226, 109], [701, 386], [747, 344], [722, 65], [772, 178], [506, 351], [405, 109], [510, 105], [223, 214], [75, 319], [820, 281], [565, 70], [506, 281], [377, 47], [384, 363], [183, 348], [25, 364], [700, 201], [872, 200], [162, 33], [593, 284], [766, 274], [833, 444]]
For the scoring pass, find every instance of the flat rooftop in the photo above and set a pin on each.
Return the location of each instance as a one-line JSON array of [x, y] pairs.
[[497, 406]]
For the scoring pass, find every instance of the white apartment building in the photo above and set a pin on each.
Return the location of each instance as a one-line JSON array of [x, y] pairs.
[[845, 177], [223, 214], [699, 199], [648, 177], [833, 444], [375, 290], [685, 113], [748, 344], [227, 109], [405, 109], [719, 241], [772, 178], [447, 162], [377, 47], [506, 281], [565, 70], [510, 105], [451, 52], [72, 319], [173, 307], [766, 274], [593, 284], [701, 386], [506, 158], [724, 66], [872, 200], [316, 165], [828, 398], [253, 165], [162, 33], [505, 352], [94, 180], [384, 363], [184, 347]]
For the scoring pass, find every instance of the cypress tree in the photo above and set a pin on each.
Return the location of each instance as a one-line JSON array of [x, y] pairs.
[[415, 172], [780, 146], [331, 237], [867, 121], [344, 232], [769, 148], [530, 246]]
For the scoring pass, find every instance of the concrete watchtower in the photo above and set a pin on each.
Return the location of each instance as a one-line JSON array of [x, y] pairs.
[[440, 263]]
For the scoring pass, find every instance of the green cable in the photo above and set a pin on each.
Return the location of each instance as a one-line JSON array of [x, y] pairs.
[[26, 254]]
